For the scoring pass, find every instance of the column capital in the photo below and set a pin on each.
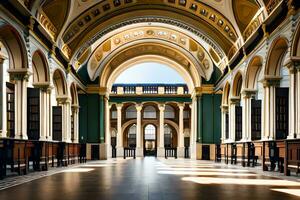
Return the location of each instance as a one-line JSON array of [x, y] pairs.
[[63, 99], [2, 58], [234, 100], [248, 93], [42, 86], [119, 106], [138, 107], [161, 107], [224, 108], [181, 105], [19, 74], [271, 80]]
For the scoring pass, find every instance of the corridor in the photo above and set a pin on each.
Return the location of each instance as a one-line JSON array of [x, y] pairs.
[[151, 178]]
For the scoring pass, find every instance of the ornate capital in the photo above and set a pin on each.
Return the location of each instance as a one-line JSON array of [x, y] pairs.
[[19, 74], [271, 81]]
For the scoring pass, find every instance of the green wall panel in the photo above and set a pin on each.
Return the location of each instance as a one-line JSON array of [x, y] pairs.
[[83, 118], [93, 118], [217, 118]]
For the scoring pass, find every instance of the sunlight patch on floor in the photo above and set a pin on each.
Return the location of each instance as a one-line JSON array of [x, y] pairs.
[[76, 170], [204, 173], [295, 192], [234, 181], [203, 169]]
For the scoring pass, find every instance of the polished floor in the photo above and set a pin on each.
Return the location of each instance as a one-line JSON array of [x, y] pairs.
[[150, 178]]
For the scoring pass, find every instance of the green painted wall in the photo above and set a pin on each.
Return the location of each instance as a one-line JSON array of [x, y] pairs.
[[143, 99], [209, 119], [91, 118]]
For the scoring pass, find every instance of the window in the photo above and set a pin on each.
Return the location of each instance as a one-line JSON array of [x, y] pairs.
[[131, 112], [255, 119], [10, 106], [150, 132], [57, 123], [168, 136], [150, 112], [33, 113], [226, 126], [132, 136], [169, 112], [238, 122], [114, 114], [282, 113], [186, 114]]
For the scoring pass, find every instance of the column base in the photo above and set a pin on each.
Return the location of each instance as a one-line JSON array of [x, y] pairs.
[[193, 154], [180, 152], [298, 135], [21, 137], [293, 136], [108, 151], [102, 153], [160, 152], [139, 152], [43, 139], [120, 151]]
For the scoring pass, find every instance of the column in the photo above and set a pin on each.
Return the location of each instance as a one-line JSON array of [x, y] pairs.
[[292, 97], [193, 135], [232, 120], [298, 99], [247, 95], [269, 112], [119, 131], [107, 129], [75, 111], [180, 149], [49, 115], [21, 79], [200, 119], [161, 147], [2, 98], [139, 147], [66, 114], [43, 114], [224, 110]]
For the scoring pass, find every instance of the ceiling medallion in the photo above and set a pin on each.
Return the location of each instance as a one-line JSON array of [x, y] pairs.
[[150, 32], [117, 41]]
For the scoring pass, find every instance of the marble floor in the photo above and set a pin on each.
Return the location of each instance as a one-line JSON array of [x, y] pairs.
[[151, 178]]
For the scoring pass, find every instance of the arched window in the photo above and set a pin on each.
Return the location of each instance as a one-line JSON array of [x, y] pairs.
[[131, 112], [150, 112], [132, 136], [169, 112], [150, 132], [168, 136]]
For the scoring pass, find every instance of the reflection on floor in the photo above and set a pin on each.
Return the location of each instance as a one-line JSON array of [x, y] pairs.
[[151, 178]]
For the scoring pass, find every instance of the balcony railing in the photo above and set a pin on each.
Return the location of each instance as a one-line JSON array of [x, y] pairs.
[[139, 89]]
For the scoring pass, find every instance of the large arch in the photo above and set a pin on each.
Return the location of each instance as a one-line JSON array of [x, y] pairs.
[[225, 94], [277, 51], [237, 85], [295, 51], [108, 78], [74, 94], [252, 72], [15, 45], [60, 83], [40, 68]]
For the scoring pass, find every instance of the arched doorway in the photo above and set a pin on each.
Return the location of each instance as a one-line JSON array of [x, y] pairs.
[[150, 143]]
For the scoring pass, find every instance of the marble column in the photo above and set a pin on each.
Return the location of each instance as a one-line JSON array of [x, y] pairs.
[[292, 100], [268, 114], [246, 98], [66, 118], [139, 147], [2, 99], [21, 79], [233, 102], [49, 115], [107, 129], [224, 111], [180, 149], [298, 100], [161, 147], [119, 131], [194, 124], [75, 111], [43, 113]]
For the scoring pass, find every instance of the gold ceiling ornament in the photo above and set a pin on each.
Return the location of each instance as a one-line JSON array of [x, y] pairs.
[[189, 8], [66, 51], [157, 33], [47, 24]]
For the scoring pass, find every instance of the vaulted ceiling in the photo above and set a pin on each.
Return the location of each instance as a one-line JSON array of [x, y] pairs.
[[220, 26]]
